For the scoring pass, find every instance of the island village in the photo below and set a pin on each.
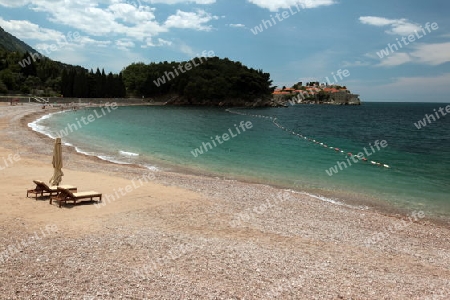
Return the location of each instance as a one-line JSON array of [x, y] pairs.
[[315, 93]]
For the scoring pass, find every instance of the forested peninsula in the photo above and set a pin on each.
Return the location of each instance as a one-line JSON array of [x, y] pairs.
[[200, 81], [208, 80]]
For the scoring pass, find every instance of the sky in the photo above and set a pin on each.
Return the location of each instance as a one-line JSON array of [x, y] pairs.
[[293, 40]]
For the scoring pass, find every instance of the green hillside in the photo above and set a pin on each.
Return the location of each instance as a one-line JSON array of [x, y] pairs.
[[207, 81], [27, 74]]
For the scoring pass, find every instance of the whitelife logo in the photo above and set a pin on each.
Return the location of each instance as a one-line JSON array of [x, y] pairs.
[[87, 120], [168, 75], [71, 37], [391, 48], [340, 73], [225, 136], [135, 184], [356, 158], [266, 24], [9, 161], [18, 247], [431, 118]]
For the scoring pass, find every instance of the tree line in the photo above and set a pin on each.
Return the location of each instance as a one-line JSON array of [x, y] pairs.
[[32, 73], [212, 79], [83, 84]]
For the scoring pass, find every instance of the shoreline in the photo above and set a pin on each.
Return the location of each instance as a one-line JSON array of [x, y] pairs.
[[388, 209], [185, 236], [351, 199]]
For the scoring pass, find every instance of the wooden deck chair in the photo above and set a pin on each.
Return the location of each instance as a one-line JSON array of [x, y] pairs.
[[65, 195], [42, 188]]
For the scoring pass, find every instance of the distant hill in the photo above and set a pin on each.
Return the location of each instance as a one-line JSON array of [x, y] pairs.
[[208, 81], [10, 43], [22, 73]]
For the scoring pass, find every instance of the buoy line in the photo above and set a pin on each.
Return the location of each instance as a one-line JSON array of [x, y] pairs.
[[303, 137]]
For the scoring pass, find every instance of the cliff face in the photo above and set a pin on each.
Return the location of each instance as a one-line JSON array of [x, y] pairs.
[[354, 101]]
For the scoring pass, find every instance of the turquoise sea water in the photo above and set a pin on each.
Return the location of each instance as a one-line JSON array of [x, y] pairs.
[[165, 137]]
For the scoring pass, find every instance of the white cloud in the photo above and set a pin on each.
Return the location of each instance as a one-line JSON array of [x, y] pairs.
[[130, 13], [136, 3], [191, 20], [70, 44], [435, 88], [14, 3], [356, 63], [397, 26], [275, 5], [180, 1], [395, 59], [371, 55], [421, 88], [27, 30], [133, 19], [427, 54], [418, 83], [161, 42], [124, 44], [123, 24], [186, 49], [376, 21], [432, 54], [237, 25], [87, 41], [81, 51], [115, 18]]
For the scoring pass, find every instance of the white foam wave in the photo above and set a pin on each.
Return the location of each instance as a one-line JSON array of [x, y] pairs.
[[36, 126], [151, 168], [85, 152], [112, 159], [45, 130], [329, 200], [128, 153]]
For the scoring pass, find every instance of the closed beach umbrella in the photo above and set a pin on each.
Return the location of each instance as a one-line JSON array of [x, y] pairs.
[[57, 163]]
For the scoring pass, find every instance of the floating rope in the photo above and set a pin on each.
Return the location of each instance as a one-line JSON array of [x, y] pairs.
[[314, 141]]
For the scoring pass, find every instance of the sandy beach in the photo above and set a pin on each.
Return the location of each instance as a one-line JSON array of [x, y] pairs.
[[178, 236]]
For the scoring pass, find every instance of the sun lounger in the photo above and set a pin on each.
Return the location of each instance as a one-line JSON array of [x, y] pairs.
[[42, 188], [65, 195]]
